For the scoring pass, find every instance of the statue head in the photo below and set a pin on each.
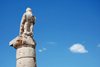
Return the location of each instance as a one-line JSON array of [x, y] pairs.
[[28, 10]]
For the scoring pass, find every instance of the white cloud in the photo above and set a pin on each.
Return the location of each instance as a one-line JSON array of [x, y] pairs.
[[50, 42], [99, 45], [78, 48], [44, 49], [40, 50]]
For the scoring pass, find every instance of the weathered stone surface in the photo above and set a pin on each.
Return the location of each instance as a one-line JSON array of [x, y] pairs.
[[26, 62], [25, 52], [22, 40], [27, 23], [25, 44]]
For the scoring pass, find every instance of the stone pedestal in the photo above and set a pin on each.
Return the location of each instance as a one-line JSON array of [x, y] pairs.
[[25, 54]]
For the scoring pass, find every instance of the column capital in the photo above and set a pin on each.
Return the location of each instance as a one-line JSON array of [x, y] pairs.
[[22, 40]]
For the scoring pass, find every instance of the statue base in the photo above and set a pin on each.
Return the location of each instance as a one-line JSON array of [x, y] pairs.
[[25, 55], [22, 40]]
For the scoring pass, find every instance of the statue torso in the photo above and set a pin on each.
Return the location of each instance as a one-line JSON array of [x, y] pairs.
[[29, 17]]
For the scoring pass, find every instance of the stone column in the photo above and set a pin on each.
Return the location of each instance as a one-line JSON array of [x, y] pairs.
[[24, 43], [25, 55]]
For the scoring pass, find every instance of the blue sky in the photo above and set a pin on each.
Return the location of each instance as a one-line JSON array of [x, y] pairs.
[[67, 32]]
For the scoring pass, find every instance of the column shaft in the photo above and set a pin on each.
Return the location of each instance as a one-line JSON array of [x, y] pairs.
[[26, 56]]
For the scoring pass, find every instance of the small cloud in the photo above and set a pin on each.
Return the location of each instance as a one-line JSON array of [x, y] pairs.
[[44, 49], [51, 43], [40, 50], [99, 45], [78, 48]]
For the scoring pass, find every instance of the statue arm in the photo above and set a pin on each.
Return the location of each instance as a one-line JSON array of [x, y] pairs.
[[22, 24], [32, 24], [31, 27], [34, 19]]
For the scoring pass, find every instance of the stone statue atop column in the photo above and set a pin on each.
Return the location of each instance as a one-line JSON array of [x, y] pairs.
[[27, 23], [24, 43], [26, 30]]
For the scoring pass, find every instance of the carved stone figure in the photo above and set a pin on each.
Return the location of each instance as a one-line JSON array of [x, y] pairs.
[[27, 23], [24, 43], [26, 30]]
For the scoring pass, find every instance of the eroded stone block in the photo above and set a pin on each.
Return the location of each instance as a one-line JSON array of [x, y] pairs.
[[25, 52], [26, 62]]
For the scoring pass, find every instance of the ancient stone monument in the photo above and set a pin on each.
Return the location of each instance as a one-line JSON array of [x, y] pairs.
[[24, 43]]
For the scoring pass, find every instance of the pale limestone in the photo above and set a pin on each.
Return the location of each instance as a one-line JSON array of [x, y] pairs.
[[22, 40], [27, 23], [24, 43], [26, 62], [25, 52]]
